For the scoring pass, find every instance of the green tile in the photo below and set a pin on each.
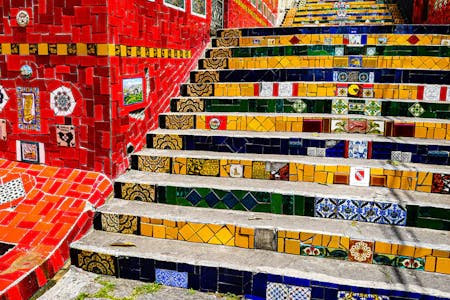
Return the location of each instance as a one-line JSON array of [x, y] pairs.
[[276, 203]]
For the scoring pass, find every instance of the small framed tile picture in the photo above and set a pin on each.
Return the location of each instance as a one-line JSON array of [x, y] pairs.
[[2, 130], [30, 152], [132, 93], [198, 8], [176, 4]]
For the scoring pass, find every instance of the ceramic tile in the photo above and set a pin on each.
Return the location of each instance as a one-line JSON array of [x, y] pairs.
[[311, 151], [278, 171], [396, 155], [371, 51], [372, 108], [406, 157], [62, 101], [171, 278], [284, 89], [325, 207], [359, 176], [361, 251], [441, 184], [236, 171], [138, 192], [266, 89], [65, 136], [339, 51], [28, 108], [277, 291], [358, 149], [431, 92], [339, 106], [348, 210], [3, 133], [416, 110], [299, 293], [11, 190], [97, 263], [344, 295], [321, 152], [355, 61], [298, 105], [3, 98]]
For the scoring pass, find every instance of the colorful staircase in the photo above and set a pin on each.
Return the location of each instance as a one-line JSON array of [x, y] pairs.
[[298, 163]]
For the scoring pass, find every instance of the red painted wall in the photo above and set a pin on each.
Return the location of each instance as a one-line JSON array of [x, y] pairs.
[[250, 13], [102, 125]]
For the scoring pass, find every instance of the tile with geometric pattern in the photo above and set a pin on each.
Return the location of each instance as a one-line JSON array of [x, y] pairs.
[[171, 278]]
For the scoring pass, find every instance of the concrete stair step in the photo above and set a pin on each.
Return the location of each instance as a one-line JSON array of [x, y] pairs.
[[368, 204], [401, 149], [366, 75], [355, 242], [327, 123], [243, 271], [324, 170]]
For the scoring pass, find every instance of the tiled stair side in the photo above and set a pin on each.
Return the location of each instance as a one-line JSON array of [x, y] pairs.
[[243, 271], [327, 105], [373, 205], [359, 242], [311, 144], [415, 177], [438, 129]]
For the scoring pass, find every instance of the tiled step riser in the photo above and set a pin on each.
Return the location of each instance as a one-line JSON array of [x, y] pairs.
[[223, 280], [431, 130], [378, 50], [279, 240], [288, 204], [327, 61], [422, 181], [380, 107], [362, 76], [395, 91], [401, 152]]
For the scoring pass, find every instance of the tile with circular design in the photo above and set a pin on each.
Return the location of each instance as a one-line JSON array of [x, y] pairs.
[[360, 251]]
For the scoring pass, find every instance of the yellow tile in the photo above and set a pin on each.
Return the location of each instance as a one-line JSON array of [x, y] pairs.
[[440, 253], [215, 241], [281, 233], [280, 245], [343, 169], [205, 233], [82, 49], [61, 49], [24, 49], [171, 233], [241, 241], [376, 171], [425, 189], [430, 133], [344, 242], [200, 122], [439, 133], [443, 265], [384, 248], [292, 246], [408, 183], [330, 178], [306, 237], [420, 132], [317, 240], [159, 231], [292, 235], [224, 235], [325, 240], [320, 177], [430, 264], [422, 252], [308, 170], [169, 223], [157, 221], [405, 250], [394, 249], [425, 178], [146, 229], [393, 182], [185, 232]]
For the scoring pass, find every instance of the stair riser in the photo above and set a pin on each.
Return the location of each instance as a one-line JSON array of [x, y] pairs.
[[219, 279], [290, 242], [341, 106], [298, 204], [431, 130], [325, 147], [330, 75]]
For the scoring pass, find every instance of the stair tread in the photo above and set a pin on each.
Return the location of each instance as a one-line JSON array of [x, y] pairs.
[[260, 261], [304, 135], [309, 189], [315, 115], [327, 161], [418, 237]]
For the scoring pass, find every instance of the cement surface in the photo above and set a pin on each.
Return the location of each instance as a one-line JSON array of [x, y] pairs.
[[418, 237], [261, 261], [309, 189]]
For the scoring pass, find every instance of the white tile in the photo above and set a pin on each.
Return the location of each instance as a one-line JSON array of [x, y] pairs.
[[359, 176]]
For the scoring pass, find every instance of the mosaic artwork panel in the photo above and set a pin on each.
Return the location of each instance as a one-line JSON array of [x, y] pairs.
[[11, 190], [198, 8], [138, 192], [28, 108], [171, 278], [65, 136], [358, 149], [177, 4], [62, 101], [344, 295], [29, 152]]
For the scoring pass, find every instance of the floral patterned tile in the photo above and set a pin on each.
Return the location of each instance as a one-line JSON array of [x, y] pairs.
[[360, 251]]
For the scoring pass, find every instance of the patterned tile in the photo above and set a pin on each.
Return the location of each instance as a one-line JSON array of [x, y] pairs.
[[190, 105], [359, 176], [325, 207], [204, 167], [406, 157], [299, 293], [410, 263], [278, 171], [360, 251], [154, 164], [3, 97], [166, 141], [431, 92], [394, 214], [179, 122], [339, 106], [355, 61], [358, 149], [277, 291], [311, 151], [266, 89], [396, 155], [285, 89], [96, 263], [339, 51], [138, 192], [321, 152], [348, 209], [310, 250], [171, 278], [441, 184], [344, 295], [371, 51], [372, 108], [298, 105], [11, 190], [416, 110], [62, 101]]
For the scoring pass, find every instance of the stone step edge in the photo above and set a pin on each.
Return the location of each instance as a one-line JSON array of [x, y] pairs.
[[408, 236], [313, 115], [307, 189], [260, 261], [302, 135], [325, 161]]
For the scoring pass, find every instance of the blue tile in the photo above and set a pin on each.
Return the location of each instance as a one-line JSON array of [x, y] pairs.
[[147, 269], [208, 280], [296, 281], [129, 267], [229, 288], [186, 268], [171, 278], [230, 279], [331, 294], [193, 281], [318, 293], [275, 278], [259, 284]]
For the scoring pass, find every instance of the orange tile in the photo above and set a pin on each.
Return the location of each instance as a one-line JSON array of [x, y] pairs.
[[430, 264], [443, 265]]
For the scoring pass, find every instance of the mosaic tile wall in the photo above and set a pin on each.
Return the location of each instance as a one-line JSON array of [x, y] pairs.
[[210, 279], [250, 13], [344, 209], [66, 71], [401, 152]]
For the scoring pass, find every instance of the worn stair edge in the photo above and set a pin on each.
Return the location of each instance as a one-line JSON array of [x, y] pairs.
[[326, 161], [417, 237], [302, 135], [308, 189], [315, 115], [260, 261]]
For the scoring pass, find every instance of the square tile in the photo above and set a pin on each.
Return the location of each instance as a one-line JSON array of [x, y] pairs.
[[354, 39], [431, 92], [339, 106], [338, 125], [299, 293], [285, 89], [359, 176], [277, 291], [396, 155], [356, 126], [416, 110], [360, 251], [321, 152], [355, 61], [325, 207], [278, 170], [371, 212], [328, 41], [341, 91], [171, 278], [266, 89], [375, 127], [65, 135], [441, 183], [347, 209], [358, 149], [11, 190], [340, 76], [393, 214], [406, 157], [236, 171], [311, 151], [298, 105], [371, 51], [372, 108], [339, 51]]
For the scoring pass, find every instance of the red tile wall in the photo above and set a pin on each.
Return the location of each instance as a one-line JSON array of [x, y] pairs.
[[243, 15], [103, 130], [440, 15]]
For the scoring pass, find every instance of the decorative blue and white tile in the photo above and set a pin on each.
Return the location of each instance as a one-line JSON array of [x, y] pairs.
[[416, 110], [339, 106], [393, 214], [299, 293], [325, 207], [396, 155], [365, 77], [348, 209], [277, 291], [339, 76], [62, 101], [285, 89], [372, 108], [171, 278], [344, 295], [406, 157], [339, 51], [11, 190], [266, 89], [358, 149], [370, 212], [359, 176]]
